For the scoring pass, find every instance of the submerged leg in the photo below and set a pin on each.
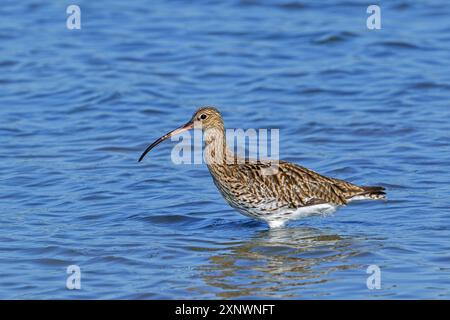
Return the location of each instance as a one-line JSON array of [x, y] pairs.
[[276, 223]]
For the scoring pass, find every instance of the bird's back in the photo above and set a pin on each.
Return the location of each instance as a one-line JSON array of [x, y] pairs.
[[249, 186]]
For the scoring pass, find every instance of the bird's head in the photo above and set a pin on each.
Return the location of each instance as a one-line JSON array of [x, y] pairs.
[[205, 118]]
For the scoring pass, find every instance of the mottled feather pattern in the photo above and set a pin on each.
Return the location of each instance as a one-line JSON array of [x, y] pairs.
[[271, 191], [244, 186]]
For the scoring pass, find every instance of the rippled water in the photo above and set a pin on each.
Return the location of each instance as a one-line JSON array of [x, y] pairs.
[[77, 107]]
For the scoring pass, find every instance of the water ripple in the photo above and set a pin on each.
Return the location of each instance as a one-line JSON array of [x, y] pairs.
[[78, 107]]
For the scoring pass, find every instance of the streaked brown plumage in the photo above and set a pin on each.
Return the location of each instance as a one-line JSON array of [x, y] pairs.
[[271, 191]]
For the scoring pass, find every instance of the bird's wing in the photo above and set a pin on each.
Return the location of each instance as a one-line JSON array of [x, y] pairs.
[[296, 186]]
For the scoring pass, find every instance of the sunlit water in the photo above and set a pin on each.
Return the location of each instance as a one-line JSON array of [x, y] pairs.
[[77, 107]]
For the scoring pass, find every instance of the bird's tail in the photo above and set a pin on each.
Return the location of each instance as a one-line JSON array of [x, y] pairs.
[[375, 193]]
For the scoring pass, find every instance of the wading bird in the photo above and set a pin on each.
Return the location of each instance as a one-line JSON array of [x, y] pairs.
[[274, 192]]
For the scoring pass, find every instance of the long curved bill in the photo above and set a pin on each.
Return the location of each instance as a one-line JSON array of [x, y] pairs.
[[186, 127]]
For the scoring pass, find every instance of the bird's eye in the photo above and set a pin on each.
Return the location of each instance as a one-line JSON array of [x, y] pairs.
[[203, 116]]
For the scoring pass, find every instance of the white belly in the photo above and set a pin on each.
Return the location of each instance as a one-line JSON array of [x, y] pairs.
[[279, 218]]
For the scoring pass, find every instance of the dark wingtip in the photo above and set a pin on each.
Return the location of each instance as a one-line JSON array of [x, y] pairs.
[[374, 188], [374, 192]]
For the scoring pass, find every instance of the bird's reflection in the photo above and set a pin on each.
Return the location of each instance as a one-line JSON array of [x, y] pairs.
[[278, 263]]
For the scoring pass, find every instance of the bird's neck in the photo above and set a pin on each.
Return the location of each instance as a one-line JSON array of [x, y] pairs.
[[216, 152]]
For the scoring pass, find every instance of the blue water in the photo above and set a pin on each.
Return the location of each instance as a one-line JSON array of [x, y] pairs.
[[77, 108]]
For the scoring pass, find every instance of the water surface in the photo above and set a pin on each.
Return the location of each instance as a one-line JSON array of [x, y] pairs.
[[77, 107]]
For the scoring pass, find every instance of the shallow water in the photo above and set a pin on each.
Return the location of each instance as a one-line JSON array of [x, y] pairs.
[[78, 107]]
